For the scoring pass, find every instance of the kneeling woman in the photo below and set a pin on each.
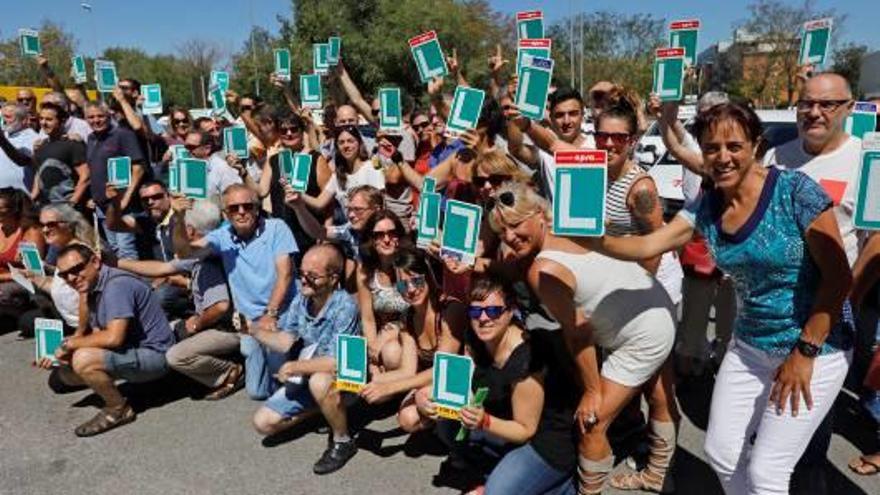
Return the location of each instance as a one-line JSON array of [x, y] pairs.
[[598, 302]]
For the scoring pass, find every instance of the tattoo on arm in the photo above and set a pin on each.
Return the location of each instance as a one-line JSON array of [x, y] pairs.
[[645, 202]]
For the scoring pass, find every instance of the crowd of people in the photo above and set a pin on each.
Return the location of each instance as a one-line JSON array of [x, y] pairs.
[[250, 288]]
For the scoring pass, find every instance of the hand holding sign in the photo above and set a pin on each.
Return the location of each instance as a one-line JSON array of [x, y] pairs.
[[867, 214], [582, 175], [428, 55], [467, 103], [351, 363], [29, 42], [451, 388], [669, 74]]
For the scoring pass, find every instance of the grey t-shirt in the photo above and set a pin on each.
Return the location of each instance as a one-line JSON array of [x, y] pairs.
[[208, 281]]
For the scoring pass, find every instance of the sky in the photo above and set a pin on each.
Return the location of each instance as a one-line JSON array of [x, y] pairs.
[[158, 26]]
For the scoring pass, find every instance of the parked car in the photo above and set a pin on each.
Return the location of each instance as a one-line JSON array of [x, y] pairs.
[[780, 126], [651, 148]]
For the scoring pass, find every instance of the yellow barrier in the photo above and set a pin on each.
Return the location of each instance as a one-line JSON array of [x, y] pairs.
[[10, 92]]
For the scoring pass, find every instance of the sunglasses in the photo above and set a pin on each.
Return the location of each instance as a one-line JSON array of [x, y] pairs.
[[494, 179], [312, 278], [51, 225], [422, 126], [191, 147], [506, 199], [25, 100], [618, 139], [240, 208], [382, 234], [74, 271], [179, 121], [493, 312], [153, 197], [289, 130], [246, 108], [416, 282]]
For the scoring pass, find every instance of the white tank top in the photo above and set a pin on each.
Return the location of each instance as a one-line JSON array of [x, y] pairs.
[[612, 293]]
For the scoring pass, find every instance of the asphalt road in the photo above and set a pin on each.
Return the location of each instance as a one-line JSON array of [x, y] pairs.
[[180, 446]]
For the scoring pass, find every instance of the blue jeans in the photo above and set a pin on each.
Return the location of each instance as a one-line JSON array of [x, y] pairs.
[[123, 244], [524, 472], [260, 364]]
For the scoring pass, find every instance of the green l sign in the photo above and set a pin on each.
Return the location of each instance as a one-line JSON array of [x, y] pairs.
[[390, 113], [30, 257], [193, 177], [465, 110], [536, 48], [78, 69], [428, 219], [321, 56], [29, 41], [461, 230], [669, 73], [429, 184], [152, 99], [815, 42], [862, 120], [119, 171], [533, 85], [867, 215], [282, 64], [581, 175], [48, 335], [335, 43], [685, 34], [220, 78], [310, 90], [235, 141], [218, 99], [105, 76], [428, 55], [451, 389], [351, 363], [295, 168], [530, 25]]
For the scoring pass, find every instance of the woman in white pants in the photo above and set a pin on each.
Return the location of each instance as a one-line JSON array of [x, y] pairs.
[[774, 233]]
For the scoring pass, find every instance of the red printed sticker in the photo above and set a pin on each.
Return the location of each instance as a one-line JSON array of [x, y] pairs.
[[834, 189]]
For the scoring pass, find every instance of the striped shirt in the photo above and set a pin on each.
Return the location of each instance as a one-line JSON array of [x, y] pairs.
[[620, 220]]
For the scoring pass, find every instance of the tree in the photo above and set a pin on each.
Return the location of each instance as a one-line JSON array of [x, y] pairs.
[[58, 46], [848, 63], [198, 58]]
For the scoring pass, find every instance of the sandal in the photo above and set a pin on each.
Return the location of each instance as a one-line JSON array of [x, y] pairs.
[[863, 467], [234, 382], [105, 420], [643, 480]]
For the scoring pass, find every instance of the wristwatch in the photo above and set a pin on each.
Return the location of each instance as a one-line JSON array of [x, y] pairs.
[[807, 349], [272, 312]]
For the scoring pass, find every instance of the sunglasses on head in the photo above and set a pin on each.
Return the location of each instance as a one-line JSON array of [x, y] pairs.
[[493, 312], [617, 139], [241, 208], [494, 179], [506, 199], [73, 271], [415, 282]]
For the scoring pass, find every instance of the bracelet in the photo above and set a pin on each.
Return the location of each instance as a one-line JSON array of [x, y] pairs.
[[486, 422]]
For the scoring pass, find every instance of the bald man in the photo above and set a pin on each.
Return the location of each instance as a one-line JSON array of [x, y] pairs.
[[319, 314]]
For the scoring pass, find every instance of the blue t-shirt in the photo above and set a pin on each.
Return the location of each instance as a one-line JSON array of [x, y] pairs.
[[769, 261], [250, 264], [339, 316], [119, 294]]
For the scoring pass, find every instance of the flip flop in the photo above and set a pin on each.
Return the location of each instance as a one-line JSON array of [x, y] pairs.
[[872, 467]]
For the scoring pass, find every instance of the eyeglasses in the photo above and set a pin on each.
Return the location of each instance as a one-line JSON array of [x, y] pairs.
[[494, 179], [382, 234], [153, 197], [359, 210], [618, 139], [289, 130], [422, 126], [312, 278], [125, 87], [74, 271], [52, 224], [825, 106], [25, 100], [246, 108], [506, 199], [415, 282], [177, 122], [493, 312], [240, 208], [191, 147]]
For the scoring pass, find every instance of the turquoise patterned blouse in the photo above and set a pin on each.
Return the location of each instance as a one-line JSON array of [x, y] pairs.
[[769, 261]]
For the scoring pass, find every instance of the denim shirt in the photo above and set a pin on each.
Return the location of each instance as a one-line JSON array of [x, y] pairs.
[[339, 316]]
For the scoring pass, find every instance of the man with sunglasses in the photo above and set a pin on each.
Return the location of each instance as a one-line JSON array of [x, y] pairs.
[[319, 314], [16, 148], [220, 173], [831, 157], [126, 337], [257, 257]]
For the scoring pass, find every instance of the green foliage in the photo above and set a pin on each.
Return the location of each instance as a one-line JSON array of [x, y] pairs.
[[166, 70], [848, 63], [58, 46]]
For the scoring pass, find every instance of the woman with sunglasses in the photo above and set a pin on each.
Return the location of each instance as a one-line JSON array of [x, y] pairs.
[[61, 225], [632, 207], [598, 302], [179, 123], [382, 307], [17, 224], [774, 232], [431, 326]]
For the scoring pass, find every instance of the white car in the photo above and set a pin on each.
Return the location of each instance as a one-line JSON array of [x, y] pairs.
[[780, 126], [651, 148]]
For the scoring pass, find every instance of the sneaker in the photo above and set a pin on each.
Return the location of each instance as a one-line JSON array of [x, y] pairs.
[[336, 455]]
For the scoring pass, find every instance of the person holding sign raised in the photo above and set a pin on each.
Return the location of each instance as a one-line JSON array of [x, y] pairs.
[[431, 326], [319, 313], [224, 170], [598, 301], [775, 233]]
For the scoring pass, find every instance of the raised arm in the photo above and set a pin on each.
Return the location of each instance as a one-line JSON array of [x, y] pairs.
[[312, 227], [496, 64], [49, 74], [516, 125], [354, 93], [131, 116], [673, 134], [147, 268]]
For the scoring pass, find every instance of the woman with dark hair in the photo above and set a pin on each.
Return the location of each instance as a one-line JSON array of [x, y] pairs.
[[431, 326], [382, 308], [351, 169], [775, 234], [18, 223], [179, 124]]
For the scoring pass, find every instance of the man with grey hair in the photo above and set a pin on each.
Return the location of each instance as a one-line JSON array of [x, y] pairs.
[[206, 339], [16, 148]]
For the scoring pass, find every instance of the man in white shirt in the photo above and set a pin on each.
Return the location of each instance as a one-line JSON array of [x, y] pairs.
[[16, 148], [220, 174]]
